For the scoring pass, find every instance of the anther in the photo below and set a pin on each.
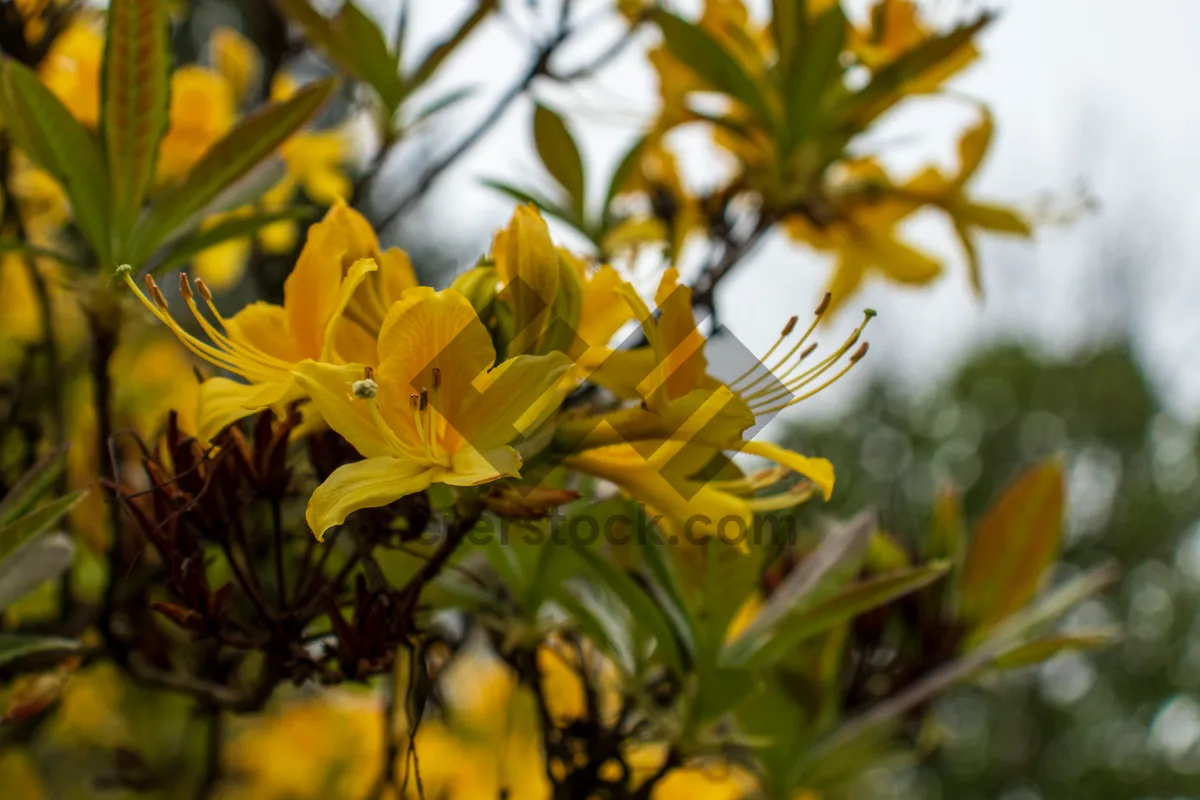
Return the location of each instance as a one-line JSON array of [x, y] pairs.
[[369, 373], [202, 288], [413, 401], [437, 378], [825, 301], [808, 351], [860, 352], [185, 286], [364, 389], [424, 402], [791, 325], [156, 293]]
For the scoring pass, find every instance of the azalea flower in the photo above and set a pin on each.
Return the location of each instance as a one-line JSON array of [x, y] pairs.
[[687, 417], [262, 343], [203, 109], [435, 410]]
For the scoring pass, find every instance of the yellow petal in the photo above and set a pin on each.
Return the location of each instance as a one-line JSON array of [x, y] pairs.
[[472, 467], [311, 291], [222, 402], [235, 58], [817, 470], [371, 483], [902, 262], [514, 396], [222, 266], [328, 387], [424, 331], [357, 274], [265, 327], [524, 251], [604, 312], [684, 363]]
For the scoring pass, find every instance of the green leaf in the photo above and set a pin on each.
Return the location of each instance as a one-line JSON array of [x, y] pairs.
[[814, 71], [711, 62], [620, 176], [32, 485], [1013, 547], [42, 126], [355, 43], [16, 645], [545, 204], [641, 607], [847, 604], [21, 530], [253, 139], [823, 573], [439, 105], [10, 245], [134, 107], [443, 50], [1046, 647], [32, 564], [886, 87], [559, 153], [188, 247]]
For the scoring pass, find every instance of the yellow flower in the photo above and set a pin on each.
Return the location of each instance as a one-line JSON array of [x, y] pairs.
[[222, 265], [202, 110], [234, 56], [895, 28], [862, 233], [40, 199], [434, 411], [262, 343], [71, 70]]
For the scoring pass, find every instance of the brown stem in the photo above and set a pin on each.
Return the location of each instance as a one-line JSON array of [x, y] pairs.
[[214, 730], [104, 337]]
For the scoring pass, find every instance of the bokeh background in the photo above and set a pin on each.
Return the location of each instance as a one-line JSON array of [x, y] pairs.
[[1084, 345]]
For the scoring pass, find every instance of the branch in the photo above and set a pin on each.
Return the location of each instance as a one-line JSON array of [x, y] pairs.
[[705, 288], [539, 66]]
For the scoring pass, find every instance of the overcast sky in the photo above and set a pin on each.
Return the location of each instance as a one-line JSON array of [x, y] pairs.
[[1098, 91]]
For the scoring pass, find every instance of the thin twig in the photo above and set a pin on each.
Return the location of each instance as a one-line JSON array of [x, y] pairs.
[[538, 66], [214, 730]]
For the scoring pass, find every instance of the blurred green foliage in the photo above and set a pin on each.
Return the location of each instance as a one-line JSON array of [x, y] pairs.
[[1120, 723]]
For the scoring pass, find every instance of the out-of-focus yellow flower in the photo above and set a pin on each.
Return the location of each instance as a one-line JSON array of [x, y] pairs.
[[421, 417], [313, 161], [19, 775], [715, 780], [222, 265], [202, 110], [677, 212], [20, 310], [862, 232], [40, 200], [263, 342], [894, 27], [89, 710], [235, 58], [71, 69]]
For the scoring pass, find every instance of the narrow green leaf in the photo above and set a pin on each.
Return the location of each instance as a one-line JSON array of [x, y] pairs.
[[442, 50], [886, 88], [188, 247], [851, 601], [24, 528], [822, 574], [1013, 547], [642, 608], [32, 485], [545, 204], [10, 245], [16, 645], [620, 176], [560, 155], [1046, 647], [42, 126], [134, 108], [253, 139], [355, 43], [814, 71], [32, 564], [711, 62], [439, 105]]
